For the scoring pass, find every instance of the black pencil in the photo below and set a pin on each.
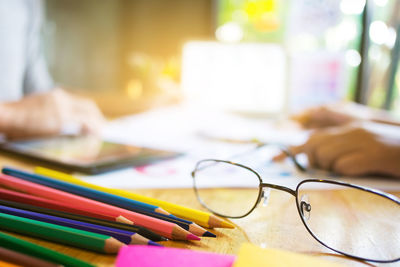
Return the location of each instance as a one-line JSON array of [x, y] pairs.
[[128, 227]]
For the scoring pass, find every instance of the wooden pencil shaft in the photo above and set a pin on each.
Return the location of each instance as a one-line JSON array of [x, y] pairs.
[[56, 233], [23, 246]]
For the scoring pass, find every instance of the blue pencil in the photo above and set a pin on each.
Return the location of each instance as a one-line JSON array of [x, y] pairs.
[[134, 205], [124, 236], [115, 200]]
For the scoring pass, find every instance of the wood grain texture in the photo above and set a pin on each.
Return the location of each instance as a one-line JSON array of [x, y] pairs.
[[276, 225]]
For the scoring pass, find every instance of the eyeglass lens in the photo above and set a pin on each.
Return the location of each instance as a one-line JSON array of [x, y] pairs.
[[351, 220], [226, 189], [347, 219]]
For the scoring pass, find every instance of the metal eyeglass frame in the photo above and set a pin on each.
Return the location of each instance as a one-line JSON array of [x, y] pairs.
[[295, 194]]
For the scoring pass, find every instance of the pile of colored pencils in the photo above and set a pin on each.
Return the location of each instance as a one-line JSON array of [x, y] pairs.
[[58, 207]]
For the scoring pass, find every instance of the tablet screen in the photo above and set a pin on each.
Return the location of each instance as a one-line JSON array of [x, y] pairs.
[[84, 151]]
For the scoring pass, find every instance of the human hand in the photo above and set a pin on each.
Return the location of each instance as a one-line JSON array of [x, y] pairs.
[[48, 114], [321, 117], [352, 151], [342, 113]]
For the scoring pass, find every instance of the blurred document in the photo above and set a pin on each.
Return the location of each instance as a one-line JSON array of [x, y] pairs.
[[201, 134]]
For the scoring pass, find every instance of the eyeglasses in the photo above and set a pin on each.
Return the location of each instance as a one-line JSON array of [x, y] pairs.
[[355, 221]]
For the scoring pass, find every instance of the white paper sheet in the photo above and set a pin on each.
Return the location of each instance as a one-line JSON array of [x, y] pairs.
[[197, 134]]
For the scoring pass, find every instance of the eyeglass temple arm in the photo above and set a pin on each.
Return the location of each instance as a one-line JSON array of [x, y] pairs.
[[279, 187]]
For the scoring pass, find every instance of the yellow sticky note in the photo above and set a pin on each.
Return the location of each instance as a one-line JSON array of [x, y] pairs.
[[251, 255]]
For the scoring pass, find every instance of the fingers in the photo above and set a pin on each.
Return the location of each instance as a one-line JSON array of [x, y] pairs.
[[322, 117], [325, 147], [355, 164], [88, 115], [281, 156], [293, 150], [326, 154], [307, 148]]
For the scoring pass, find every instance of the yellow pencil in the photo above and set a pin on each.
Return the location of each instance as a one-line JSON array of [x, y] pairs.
[[200, 217]]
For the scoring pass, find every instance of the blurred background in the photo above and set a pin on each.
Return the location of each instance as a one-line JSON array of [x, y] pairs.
[[250, 56]]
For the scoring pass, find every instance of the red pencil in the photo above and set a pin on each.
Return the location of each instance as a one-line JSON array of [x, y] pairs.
[[11, 195], [164, 228]]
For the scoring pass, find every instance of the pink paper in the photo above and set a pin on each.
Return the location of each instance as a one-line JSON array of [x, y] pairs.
[[151, 256]]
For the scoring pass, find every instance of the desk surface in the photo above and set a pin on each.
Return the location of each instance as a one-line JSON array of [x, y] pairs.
[[276, 225]]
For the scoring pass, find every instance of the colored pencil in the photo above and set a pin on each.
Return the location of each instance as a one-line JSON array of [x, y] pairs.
[[161, 227], [111, 199], [7, 264], [60, 234], [185, 224], [133, 205], [126, 237], [29, 248], [11, 195], [202, 218], [21, 259], [123, 226]]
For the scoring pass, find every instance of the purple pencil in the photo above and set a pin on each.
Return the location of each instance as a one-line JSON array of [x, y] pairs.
[[124, 236]]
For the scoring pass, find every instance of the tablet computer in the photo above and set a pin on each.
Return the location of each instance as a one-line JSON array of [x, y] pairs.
[[84, 154]]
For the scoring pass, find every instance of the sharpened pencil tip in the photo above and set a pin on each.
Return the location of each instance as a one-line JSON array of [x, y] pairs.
[[152, 243], [225, 224], [214, 221], [209, 234], [192, 237], [162, 211]]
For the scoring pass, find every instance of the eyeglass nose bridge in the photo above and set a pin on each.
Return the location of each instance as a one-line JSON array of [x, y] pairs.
[[265, 193], [278, 187]]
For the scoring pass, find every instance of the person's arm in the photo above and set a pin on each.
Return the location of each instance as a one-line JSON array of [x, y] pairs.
[[48, 114], [342, 113], [353, 151], [36, 78]]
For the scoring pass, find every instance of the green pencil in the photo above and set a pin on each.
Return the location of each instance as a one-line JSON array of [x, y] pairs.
[[60, 234], [20, 245]]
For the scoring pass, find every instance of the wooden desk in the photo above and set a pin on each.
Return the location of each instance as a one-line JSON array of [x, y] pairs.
[[276, 225]]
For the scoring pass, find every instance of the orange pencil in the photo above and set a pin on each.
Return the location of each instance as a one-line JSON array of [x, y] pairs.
[[167, 229]]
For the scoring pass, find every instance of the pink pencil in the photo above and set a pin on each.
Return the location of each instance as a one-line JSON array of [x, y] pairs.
[[15, 196], [167, 229]]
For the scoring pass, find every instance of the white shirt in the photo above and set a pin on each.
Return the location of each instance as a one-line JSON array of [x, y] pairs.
[[22, 66]]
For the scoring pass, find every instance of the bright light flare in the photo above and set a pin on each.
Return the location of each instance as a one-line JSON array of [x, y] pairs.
[[230, 32], [381, 3], [353, 57], [352, 7], [378, 32]]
